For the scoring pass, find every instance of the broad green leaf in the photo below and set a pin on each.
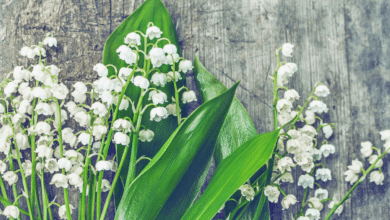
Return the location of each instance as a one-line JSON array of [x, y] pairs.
[[150, 11], [236, 130], [231, 173], [146, 196], [238, 126]]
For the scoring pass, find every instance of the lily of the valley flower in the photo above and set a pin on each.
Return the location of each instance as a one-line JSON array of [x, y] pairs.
[[185, 65], [62, 211], [272, 192], [126, 54], [121, 138], [64, 163], [288, 201], [287, 49], [103, 165], [141, 82], [248, 192], [306, 181], [158, 113], [159, 79], [146, 135], [133, 38], [59, 180], [377, 177], [324, 174], [153, 32], [11, 211], [322, 91], [10, 177], [366, 149], [189, 96]]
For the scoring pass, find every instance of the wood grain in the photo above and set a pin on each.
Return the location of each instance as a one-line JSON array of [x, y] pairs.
[[341, 43]]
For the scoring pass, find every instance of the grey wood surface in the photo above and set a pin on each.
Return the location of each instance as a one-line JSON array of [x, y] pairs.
[[342, 43]]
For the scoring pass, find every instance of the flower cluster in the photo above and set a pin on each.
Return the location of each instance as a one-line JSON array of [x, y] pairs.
[[35, 111], [300, 128]]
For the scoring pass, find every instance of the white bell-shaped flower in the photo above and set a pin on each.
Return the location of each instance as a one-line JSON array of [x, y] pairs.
[[10, 88], [121, 138], [322, 91], [68, 137], [272, 192], [153, 32], [80, 87], [351, 176], [122, 124], [158, 97], [83, 118], [106, 186], [60, 91], [356, 166], [377, 177], [159, 79], [287, 49], [327, 149], [285, 164], [172, 58], [366, 149], [247, 191], [22, 141], [315, 203], [52, 165], [99, 109], [62, 211], [124, 73], [146, 135], [283, 105], [75, 180], [50, 41], [101, 69], [306, 181], [126, 54], [170, 77], [373, 158], [321, 193], [38, 92], [291, 95], [3, 167], [189, 96], [84, 138], [42, 128], [171, 109], [323, 174], [59, 180], [158, 113], [28, 52], [44, 109], [64, 163], [141, 82], [10, 177], [318, 107], [125, 103], [185, 65], [288, 201], [133, 38], [103, 165], [157, 57], [99, 131], [44, 152], [170, 49], [11, 211], [328, 131]]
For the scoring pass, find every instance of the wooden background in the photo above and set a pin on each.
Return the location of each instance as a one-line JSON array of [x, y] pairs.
[[342, 43]]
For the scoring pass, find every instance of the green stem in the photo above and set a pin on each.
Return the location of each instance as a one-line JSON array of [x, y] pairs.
[[177, 100], [33, 183], [114, 184], [44, 198], [38, 204], [108, 142], [354, 186], [134, 149], [242, 212], [59, 130]]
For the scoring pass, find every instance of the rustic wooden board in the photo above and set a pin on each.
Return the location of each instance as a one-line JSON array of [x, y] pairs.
[[342, 43]]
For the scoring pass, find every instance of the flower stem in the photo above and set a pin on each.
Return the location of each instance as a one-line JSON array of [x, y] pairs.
[[33, 183], [114, 184], [177, 100], [134, 149], [59, 130]]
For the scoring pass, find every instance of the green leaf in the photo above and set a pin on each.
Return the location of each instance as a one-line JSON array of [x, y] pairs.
[[146, 196], [150, 11], [237, 128], [231, 173]]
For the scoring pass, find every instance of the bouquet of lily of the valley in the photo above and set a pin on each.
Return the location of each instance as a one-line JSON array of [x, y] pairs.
[[137, 107]]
